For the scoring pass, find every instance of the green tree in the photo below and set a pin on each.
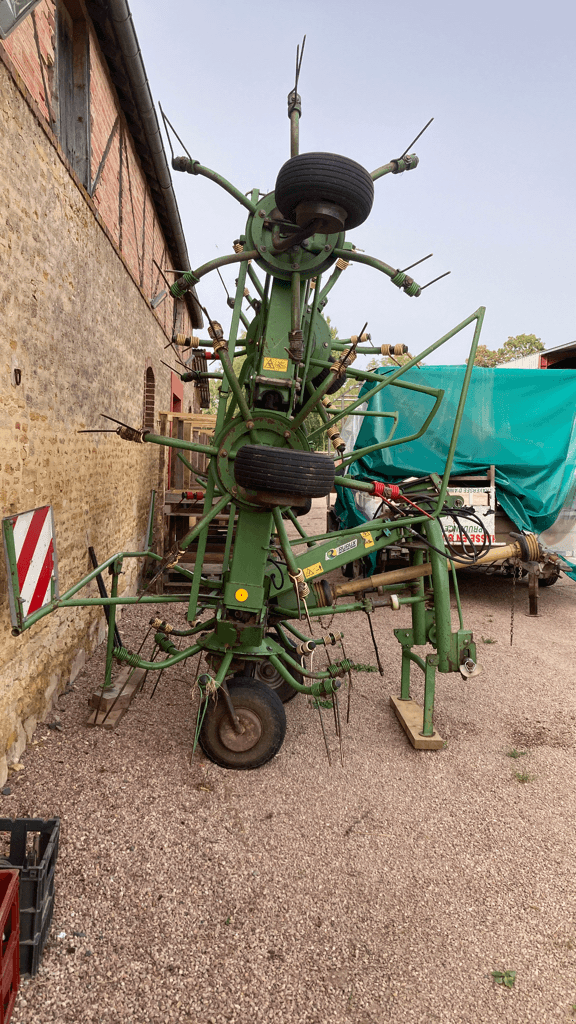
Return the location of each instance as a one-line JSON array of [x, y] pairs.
[[514, 348]]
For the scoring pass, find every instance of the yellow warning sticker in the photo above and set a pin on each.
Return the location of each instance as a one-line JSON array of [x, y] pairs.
[[275, 364], [241, 595], [313, 570], [368, 539]]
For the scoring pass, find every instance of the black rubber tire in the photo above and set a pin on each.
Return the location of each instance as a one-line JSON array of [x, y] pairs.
[[548, 581], [276, 682], [259, 467], [311, 177], [259, 708]]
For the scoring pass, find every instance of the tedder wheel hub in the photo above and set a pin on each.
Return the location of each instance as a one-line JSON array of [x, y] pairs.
[[262, 717], [250, 725], [310, 259], [265, 672]]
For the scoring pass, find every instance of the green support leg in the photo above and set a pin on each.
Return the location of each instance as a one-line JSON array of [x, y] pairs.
[[429, 690]]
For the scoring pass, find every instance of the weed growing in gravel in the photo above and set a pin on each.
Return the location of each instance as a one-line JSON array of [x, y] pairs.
[[506, 978], [516, 753], [523, 777], [488, 640]]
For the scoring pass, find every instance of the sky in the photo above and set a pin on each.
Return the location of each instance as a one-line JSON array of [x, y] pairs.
[[492, 197]]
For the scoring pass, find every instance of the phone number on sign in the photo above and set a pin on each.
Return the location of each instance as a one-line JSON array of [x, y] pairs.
[[475, 538]]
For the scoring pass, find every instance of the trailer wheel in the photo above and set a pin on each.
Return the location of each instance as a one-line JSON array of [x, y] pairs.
[[262, 717], [259, 467], [548, 581], [325, 177]]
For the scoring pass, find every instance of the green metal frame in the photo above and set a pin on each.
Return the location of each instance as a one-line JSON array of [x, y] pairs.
[[260, 561]]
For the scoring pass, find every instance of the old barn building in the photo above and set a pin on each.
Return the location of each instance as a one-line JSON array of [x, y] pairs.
[[88, 220]]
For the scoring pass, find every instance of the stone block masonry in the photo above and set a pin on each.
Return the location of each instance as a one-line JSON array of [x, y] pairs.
[[77, 324]]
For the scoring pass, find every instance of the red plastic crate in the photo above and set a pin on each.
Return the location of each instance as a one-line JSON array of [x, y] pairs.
[[10, 931]]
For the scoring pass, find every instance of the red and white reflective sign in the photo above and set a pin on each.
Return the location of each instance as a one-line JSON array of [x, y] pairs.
[[29, 542]]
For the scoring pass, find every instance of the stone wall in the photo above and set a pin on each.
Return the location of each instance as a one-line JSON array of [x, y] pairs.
[[76, 322]]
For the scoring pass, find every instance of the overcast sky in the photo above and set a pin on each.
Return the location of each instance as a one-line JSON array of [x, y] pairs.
[[492, 198]]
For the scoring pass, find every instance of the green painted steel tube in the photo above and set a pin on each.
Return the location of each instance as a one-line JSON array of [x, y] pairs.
[[94, 602], [297, 525], [429, 692], [195, 167], [150, 527], [324, 682], [405, 674], [229, 538], [327, 422], [479, 317], [256, 281], [117, 567], [237, 313], [308, 343], [457, 594], [441, 588], [321, 297], [206, 519], [245, 411], [195, 629], [291, 613], [295, 311], [407, 657], [64, 599], [291, 562], [121, 654], [418, 610], [176, 442], [201, 550]]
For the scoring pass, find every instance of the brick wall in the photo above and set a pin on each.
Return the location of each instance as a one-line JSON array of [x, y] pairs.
[[75, 319]]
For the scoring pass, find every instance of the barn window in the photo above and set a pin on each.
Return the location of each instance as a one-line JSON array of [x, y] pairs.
[[149, 385]]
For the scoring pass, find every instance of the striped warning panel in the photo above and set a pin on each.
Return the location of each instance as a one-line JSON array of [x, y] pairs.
[[34, 553]]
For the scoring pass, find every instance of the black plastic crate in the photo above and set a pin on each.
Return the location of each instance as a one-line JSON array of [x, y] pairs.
[[31, 951], [33, 849]]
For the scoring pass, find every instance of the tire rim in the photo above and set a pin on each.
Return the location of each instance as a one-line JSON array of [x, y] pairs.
[[266, 673], [241, 741]]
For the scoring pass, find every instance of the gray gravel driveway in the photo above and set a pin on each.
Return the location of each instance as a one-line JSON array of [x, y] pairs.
[[386, 890]]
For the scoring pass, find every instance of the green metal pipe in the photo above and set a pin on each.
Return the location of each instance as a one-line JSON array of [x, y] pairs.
[[291, 562], [255, 281], [116, 569], [432, 662], [245, 411], [441, 590], [479, 317], [320, 298], [176, 442], [121, 654], [94, 602], [64, 599], [295, 301], [195, 167], [418, 610], [191, 536], [309, 339]]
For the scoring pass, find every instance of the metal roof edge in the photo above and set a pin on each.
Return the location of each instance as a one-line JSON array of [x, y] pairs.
[[119, 18]]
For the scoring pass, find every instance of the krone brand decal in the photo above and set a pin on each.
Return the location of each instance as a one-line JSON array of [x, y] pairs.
[[334, 552]]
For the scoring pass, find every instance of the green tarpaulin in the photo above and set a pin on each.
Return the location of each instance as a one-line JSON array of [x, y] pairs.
[[521, 421]]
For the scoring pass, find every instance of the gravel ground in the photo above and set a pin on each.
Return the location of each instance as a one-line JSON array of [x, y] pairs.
[[384, 890]]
